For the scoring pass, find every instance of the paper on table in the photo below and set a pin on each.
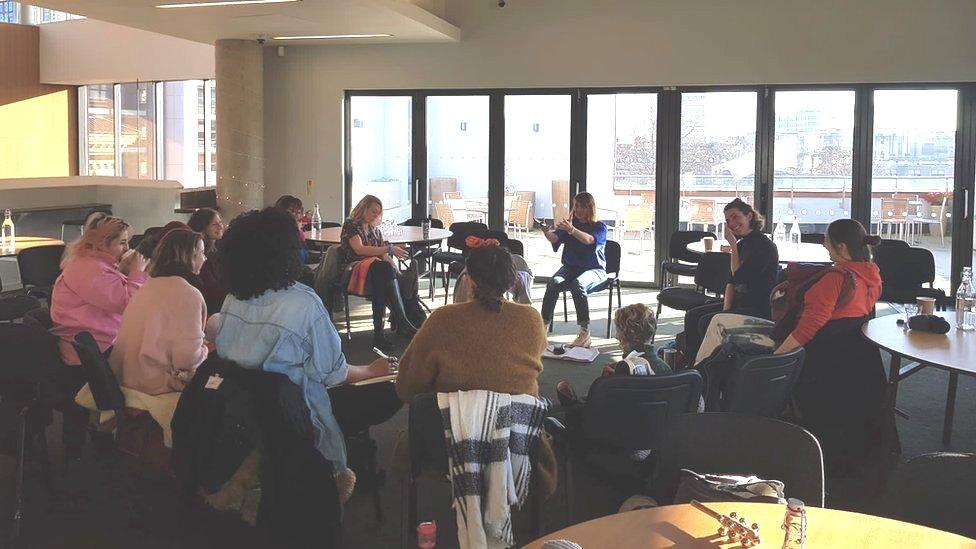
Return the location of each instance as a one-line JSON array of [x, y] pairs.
[[572, 354]]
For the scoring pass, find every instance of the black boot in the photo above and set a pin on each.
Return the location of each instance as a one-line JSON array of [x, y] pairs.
[[395, 302]]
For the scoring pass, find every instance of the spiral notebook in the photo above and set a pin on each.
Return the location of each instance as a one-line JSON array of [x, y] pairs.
[[572, 354]]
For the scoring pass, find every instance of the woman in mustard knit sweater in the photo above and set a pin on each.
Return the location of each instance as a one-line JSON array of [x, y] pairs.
[[489, 343]]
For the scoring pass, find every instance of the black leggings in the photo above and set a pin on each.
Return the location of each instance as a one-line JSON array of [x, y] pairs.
[[378, 284]]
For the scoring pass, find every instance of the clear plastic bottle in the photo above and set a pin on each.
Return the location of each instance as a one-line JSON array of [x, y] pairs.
[[795, 232], [316, 219], [966, 302], [779, 234], [8, 237], [795, 525]]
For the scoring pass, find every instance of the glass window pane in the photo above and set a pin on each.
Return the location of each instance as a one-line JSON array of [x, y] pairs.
[[185, 132], [813, 158], [138, 130], [9, 12], [381, 153], [621, 156], [718, 155], [537, 169], [100, 123], [912, 171], [211, 90], [457, 158]]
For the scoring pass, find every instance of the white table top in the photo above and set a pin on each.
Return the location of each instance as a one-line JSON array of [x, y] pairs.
[[25, 242], [408, 235], [952, 351], [788, 252]]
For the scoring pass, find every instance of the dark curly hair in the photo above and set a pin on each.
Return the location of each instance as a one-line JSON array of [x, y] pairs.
[[259, 252], [493, 273]]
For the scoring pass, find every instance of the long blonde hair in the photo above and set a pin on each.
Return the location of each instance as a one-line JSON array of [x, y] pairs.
[[586, 200], [97, 235], [358, 214]]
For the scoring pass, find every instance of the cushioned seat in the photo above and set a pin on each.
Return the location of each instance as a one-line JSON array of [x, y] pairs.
[[680, 269], [711, 275]]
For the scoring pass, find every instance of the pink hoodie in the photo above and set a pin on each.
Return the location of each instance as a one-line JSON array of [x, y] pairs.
[[90, 295]]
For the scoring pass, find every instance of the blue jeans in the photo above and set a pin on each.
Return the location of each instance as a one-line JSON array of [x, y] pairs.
[[579, 283]]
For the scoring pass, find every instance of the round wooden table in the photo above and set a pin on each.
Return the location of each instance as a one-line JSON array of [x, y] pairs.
[[25, 242], [788, 253], [953, 352], [684, 526], [408, 235]]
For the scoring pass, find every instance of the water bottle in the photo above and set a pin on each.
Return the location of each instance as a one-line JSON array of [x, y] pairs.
[[795, 525], [966, 302], [8, 238], [316, 219], [779, 235], [425, 228], [795, 232]]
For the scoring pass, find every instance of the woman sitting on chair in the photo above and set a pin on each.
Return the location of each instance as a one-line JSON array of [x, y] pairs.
[[584, 262], [755, 266], [208, 222], [370, 263]]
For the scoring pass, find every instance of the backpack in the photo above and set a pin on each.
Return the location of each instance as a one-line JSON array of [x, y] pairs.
[[786, 299]]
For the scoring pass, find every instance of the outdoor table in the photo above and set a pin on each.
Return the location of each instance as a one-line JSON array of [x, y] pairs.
[[25, 242], [684, 526], [788, 252], [953, 352], [407, 235]]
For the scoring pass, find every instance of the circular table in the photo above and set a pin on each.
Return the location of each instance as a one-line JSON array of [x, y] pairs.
[[25, 242], [952, 352], [685, 526], [408, 235], [788, 252]]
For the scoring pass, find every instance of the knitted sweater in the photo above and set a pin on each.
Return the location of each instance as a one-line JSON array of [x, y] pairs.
[[160, 343], [463, 347]]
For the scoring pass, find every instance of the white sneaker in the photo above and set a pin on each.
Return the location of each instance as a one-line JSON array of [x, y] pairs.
[[582, 340]]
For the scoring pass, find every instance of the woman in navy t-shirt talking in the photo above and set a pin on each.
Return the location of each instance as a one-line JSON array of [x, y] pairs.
[[584, 262]]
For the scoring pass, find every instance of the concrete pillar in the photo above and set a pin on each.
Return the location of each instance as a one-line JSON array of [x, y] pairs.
[[240, 126]]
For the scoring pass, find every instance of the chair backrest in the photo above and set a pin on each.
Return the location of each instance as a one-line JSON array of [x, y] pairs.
[[812, 238], [151, 231], [418, 221], [428, 448], [612, 254], [452, 195], [632, 411], [527, 196], [764, 385], [678, 245], [444, 213], [560, 199], [702, 210], [741, 443], [101, 380], [894, 209], [892, 243], [41, 265], [515, 247], [440, 185], [935, 490], [461, 230], [714, 272], [40, 318], [518, 214], [905, 267]]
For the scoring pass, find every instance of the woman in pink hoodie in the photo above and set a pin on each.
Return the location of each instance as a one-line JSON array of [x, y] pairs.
[[98, 279]]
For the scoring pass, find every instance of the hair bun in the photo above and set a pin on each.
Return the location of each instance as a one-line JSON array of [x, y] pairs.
[[872, 239]]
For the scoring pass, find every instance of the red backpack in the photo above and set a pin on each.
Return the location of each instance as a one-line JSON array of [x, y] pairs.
[[786, 299]]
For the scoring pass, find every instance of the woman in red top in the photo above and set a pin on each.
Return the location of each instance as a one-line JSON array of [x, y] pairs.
[[849, 246]]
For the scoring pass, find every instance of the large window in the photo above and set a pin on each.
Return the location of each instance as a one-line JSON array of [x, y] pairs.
[[150, 130], [457, 158], [912, 170], [621, 163], [16, 12], [813, 159], [718, 155], [381, 154], [9, 12]]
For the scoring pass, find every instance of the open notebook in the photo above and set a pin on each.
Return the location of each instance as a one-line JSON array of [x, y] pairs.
[[572, 354]]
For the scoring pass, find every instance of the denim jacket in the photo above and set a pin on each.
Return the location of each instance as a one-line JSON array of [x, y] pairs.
[[289, 331]]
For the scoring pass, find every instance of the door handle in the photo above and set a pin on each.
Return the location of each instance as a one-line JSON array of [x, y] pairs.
[[416, 192]]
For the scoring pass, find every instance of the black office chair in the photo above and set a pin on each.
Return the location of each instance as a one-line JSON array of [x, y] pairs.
[[763, 385], [515, 247], [104, 386], [713, 273], [612, 254], [428, 452], [681, 261], [443, 259], [740, 443], [39, 268], [812, 238], [905, 272], [935, 490], [892, 243]]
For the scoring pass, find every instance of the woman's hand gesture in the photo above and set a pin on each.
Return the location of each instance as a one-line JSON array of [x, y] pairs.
[[730, 237], [565, 225], [400, 253]]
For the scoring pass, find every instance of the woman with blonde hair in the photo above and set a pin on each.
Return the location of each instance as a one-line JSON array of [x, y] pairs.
[[369, 265], [584, 262], [98, 278]]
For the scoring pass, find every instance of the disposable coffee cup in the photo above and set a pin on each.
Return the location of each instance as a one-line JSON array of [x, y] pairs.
[[709, 243], [926, 305]]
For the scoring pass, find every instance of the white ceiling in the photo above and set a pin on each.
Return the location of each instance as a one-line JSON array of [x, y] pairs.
[[405, 20]]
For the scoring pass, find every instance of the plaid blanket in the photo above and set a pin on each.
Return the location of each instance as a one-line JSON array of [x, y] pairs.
[[489, 436]]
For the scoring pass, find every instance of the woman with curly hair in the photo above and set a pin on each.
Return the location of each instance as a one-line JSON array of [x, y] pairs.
[[274, 323], [487, 343]]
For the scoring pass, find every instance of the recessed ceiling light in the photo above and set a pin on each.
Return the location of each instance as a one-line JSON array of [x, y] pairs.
[[331, 36], [217, 3]]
